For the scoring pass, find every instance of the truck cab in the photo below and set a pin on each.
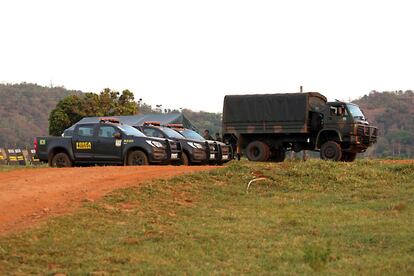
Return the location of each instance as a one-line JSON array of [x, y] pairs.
[[193, 151], [346, 125], [106, 142]]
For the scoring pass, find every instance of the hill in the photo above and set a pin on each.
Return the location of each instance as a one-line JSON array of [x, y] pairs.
[[393, 113], [25, 108], [24, 111], [204, 120]]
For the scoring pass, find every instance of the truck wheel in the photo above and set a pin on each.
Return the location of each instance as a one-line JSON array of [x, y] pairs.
[[184, 159], [331, 151], [61, 160], [137, 158], [348, 156], [279, 155], [258, 151]]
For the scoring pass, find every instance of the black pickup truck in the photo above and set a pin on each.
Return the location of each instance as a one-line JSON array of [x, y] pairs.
[[193, 151], [219, 152], [106, 142]]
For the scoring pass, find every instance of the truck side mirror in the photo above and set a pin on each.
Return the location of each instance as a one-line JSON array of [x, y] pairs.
[[117, 135]]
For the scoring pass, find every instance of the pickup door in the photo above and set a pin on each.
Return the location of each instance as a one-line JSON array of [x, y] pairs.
[[108, 148], [96, 142], [84, 142]]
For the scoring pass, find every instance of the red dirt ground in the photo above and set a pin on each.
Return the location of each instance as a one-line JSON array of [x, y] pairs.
[[29, 196]]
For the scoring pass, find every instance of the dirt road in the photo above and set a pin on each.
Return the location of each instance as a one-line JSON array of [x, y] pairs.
[[28, 196]]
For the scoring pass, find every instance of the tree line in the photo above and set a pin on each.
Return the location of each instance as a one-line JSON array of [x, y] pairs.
[[29, 110]]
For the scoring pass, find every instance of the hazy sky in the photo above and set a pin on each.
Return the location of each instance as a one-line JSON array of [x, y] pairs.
[[191, 53]]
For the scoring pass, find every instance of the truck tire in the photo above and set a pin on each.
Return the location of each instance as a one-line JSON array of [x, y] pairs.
[[184, 159], [331, 151], [61, 160], [258, 151], [348, 156], [137, 158], [279, 155]]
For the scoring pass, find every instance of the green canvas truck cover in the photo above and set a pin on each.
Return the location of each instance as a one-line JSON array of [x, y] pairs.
[[270, 113], [287, 107]]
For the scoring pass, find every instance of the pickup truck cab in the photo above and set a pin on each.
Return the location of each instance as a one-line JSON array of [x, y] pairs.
[[107, 142], [220, 152], [193, 151]]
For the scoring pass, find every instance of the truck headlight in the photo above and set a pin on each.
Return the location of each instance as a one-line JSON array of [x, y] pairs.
[[155, 144], [195, 145]]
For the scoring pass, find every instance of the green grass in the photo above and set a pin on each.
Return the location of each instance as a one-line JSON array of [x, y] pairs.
[[306, 218]]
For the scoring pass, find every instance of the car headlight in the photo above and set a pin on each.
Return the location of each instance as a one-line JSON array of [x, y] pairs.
[[155, 144], [195, 145]]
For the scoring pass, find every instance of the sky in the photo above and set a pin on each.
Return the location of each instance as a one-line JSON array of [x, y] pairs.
[[189, 54]]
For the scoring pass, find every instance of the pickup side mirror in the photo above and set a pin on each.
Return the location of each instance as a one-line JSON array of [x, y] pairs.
[[117, 135]]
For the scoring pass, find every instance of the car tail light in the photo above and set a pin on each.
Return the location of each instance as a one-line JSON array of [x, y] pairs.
[[35, 144]]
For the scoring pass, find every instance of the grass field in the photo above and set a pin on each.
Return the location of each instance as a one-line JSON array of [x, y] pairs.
[[306, 217]]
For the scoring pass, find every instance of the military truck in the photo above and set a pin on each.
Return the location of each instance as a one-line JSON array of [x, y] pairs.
[[265, 126], [106, 142], [221, 153]]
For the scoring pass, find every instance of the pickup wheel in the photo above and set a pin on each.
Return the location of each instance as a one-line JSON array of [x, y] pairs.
[[61, 160], [348, 156], [258, 151], [137, 158], [184, 159], [331, 151]]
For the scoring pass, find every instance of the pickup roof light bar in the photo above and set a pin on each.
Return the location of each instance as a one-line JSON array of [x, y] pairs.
[[178, 126], [108, 120], [152, 124]]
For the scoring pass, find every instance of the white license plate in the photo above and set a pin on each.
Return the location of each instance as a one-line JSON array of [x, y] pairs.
[[212, 156], [225, 157], [174, 155]]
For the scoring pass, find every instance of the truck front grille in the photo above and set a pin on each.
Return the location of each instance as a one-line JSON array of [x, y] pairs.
[[368, 134]]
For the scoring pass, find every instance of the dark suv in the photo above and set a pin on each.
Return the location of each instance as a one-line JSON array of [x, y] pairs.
[[193, 151], [219, 152]]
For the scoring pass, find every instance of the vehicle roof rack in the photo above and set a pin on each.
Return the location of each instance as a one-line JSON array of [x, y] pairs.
[[108, 120], [179, 126], [152, 124]]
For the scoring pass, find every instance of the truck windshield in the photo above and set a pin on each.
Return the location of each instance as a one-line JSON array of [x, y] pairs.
[[191, 134], [355, 111], [130, 131], [171, 133]]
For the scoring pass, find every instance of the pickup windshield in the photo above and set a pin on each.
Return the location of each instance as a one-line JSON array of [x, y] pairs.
[[130, 131], [191, 134], [171, 133], [355, 111]]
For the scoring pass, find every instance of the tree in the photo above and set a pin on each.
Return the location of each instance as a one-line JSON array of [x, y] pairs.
[[73, 108]]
